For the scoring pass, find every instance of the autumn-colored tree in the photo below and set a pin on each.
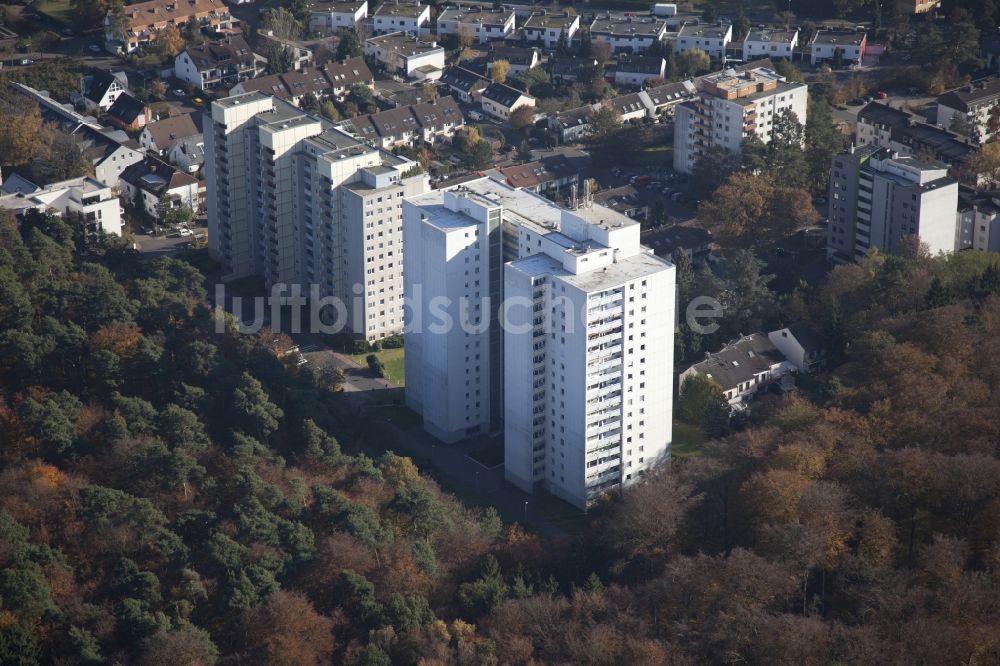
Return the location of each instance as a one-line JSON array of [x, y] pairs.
[[287, 630], [20, 129], [522, 117], [499, 70], [169, 41]]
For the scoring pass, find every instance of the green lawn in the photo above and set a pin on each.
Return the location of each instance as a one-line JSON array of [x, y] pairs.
[[660, 156], [58, 10], [393, 361], [687, 440]]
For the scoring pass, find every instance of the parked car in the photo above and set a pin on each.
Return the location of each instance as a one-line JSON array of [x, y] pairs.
[[178, 92], [881, 94], [186, 232], [475, 115]]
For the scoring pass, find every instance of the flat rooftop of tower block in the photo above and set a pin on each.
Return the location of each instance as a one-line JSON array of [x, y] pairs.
[[245, 98], [616, 274], [437, 215]]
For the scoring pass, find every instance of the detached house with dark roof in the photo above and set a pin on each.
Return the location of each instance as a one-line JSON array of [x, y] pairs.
[[145, 183], [429, 122], [99, 88], [520, 59], [333, 80], [972, 105], [129, 113], [465, 84], [500, 101], [636, 70], [742, 368], [158, 137], [571, 125], [214, 65]]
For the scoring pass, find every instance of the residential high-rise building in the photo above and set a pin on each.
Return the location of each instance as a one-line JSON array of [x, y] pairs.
[[732, 107], [553, 324], [878, 198], [298, 201]]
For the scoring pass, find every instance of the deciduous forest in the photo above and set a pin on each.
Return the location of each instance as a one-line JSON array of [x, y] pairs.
[[172, 495]]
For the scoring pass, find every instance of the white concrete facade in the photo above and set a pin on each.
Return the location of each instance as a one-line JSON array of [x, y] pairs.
[[90, 199], [878, 199], [333, 16], [482, 25], [587, 341], [766, 43], [712, 39], [298, 201], [409, 18], [731, 108]]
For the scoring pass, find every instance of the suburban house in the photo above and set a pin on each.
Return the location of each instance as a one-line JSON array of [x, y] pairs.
[[571, 125], [826, 44], [499, 100], [99, 88], [109, 150], [634, 106], [569, 69], [146, 182], [128, 113], [401, 17], [695, 242], [770, 43], [220, 64], [87, 197], [465, 84], [742, 368], [909, 134], [712, 39], [158, 137], [624, 200], [520, 59], [347, 73], [429, 122], [664, 98], [549, 29], [188, 153], [401, 53], [972, 106], [538, 176], [137, 25], [302, 56], [333, 15], [630, 34], [481, 25], [978, 220], [636, 70], [333, 80], [801, 345]]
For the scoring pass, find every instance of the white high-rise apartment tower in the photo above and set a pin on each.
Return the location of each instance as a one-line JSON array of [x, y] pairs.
[[298, 201], [732, 107], [576, 362]]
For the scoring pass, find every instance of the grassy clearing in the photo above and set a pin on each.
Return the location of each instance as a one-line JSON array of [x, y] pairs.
[[57, 10], [687, 440], [654, 156], [392, 359]]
